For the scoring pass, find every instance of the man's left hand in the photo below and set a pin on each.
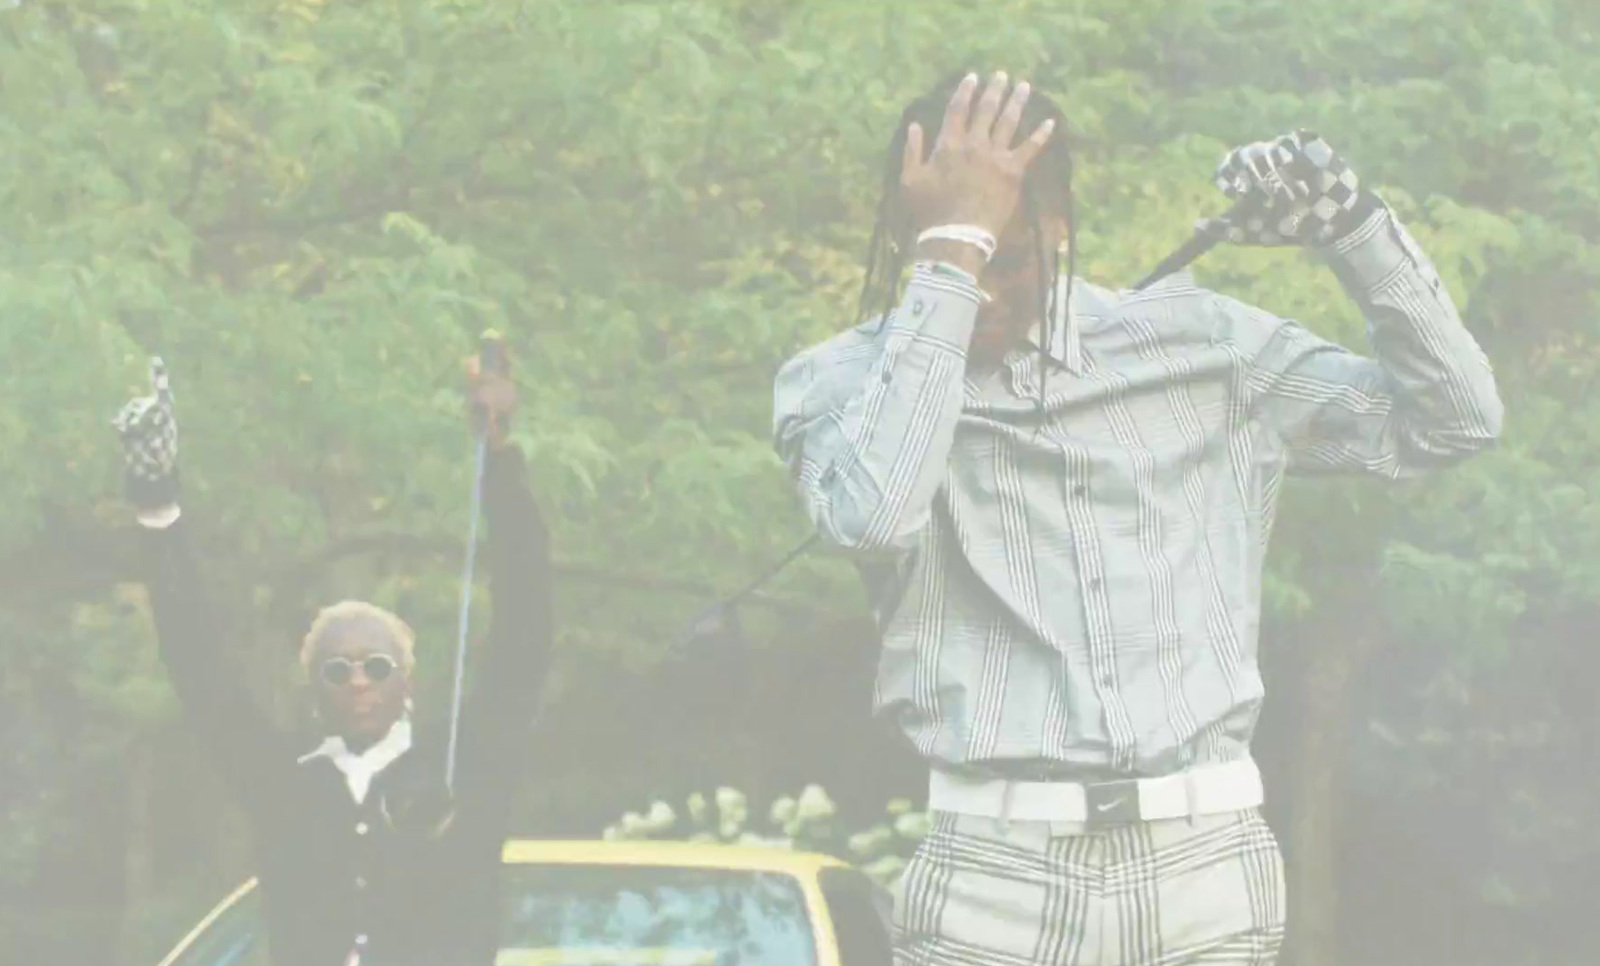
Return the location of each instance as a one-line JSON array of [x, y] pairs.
[[1301, 192]]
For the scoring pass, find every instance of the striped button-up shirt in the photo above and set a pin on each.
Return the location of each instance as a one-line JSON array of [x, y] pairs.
[[1077, 587]]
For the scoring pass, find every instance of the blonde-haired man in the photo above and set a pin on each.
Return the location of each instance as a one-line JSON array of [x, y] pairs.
[[359, 658], [365, 857]]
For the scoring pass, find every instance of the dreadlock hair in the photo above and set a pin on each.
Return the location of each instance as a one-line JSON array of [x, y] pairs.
[[1047, 188]]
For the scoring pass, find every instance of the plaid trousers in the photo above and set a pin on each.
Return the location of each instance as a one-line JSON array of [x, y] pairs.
[[1029, 893]]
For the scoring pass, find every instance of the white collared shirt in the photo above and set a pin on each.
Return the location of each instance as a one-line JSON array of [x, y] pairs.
[[1078, 578], [359, 769]]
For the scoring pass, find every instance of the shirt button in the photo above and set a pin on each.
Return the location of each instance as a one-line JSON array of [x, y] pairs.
[[361, 828], [1105, 681], [917, 307], [1095, 582], [1079, 490]]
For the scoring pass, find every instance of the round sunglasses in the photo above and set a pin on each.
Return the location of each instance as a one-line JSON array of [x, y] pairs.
[[338, 671]]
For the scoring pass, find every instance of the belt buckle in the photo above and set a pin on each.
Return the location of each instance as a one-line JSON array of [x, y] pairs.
[[1111, 803]]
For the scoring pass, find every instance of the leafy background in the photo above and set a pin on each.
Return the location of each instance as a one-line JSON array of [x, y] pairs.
[[310, 208]]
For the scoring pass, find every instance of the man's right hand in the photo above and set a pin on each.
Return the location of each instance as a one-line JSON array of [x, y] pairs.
[[149, 431], [974, 175]]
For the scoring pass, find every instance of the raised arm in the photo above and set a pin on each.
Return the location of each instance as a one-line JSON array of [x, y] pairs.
[[865, 425], [251, 752], [503, 702], [1427, 396]]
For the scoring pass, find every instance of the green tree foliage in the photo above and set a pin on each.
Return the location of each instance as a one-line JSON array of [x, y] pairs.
[[311, 209]]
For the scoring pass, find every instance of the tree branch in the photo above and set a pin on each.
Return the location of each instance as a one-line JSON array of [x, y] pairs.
[[438, 545], [75, 563]]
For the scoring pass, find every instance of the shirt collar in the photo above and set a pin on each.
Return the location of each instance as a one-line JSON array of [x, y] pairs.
[[359, 769]]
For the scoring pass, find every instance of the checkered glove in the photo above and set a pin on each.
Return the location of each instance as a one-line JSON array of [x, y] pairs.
[[149, 432], [1303, 193]]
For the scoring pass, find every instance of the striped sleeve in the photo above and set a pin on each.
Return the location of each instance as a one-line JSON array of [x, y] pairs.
[[865, 426], [1425, 399]]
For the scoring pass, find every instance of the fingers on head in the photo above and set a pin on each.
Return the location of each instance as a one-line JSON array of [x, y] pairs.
[[1010, 119], [980, 122], [957, 110], [1034, 145], [913, 150], [993, 94]]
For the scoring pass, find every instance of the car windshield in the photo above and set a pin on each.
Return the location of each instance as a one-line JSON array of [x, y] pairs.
[[624, 915]]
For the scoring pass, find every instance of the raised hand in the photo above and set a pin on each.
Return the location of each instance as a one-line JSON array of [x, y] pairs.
[[491, 394], [1300, 192], [974, 174], [149, 429]]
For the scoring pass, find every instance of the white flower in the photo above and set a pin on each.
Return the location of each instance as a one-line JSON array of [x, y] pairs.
[[729, 799], [761, 841], [730, 829], [611, 834], [885, 870], [871, 841], [783, 811], [661, 817], [633, 824], [815, 804], [697, 808], [912, 825]]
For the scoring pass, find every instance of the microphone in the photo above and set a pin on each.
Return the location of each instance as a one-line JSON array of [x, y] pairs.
[[1206, 236], [723, 616]]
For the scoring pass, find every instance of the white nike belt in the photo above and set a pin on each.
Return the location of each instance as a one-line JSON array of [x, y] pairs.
[[1206, 790]]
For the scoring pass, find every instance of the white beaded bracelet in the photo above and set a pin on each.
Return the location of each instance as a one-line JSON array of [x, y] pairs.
[[974, 235]]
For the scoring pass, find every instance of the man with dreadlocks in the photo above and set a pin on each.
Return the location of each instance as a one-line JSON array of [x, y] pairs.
[[1059, 497]]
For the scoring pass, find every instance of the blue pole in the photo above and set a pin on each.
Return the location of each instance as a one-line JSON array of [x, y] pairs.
[[464, 612]]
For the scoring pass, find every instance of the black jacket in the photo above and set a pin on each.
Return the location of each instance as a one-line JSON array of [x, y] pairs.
[[407, 877]]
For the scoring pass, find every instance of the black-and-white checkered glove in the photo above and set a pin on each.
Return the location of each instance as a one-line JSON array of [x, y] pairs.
[[149, 431], [1301, 192]]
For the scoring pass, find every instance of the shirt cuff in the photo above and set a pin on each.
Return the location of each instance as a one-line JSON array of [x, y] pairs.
[[940, 305], [1372, 252]]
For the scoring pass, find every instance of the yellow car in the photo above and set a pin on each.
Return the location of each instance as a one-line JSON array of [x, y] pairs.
[[650, 903]]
